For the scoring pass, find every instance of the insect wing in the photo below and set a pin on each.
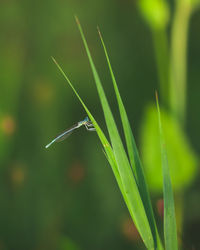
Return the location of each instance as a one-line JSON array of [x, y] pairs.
[[66, 133]]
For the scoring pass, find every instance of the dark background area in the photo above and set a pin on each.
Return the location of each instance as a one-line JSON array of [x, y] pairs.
[[66, 197]]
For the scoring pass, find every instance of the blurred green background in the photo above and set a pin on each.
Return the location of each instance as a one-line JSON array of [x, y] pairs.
[[66, 198]]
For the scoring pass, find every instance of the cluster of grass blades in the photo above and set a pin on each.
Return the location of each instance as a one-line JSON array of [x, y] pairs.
[[127, 169]]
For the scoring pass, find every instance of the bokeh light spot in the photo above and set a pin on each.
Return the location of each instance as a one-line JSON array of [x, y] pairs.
[[129, 230], [160, 207], [76, 172], [8, 125]]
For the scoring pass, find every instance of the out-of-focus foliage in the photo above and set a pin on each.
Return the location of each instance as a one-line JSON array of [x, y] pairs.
[[66, 243], [156, 12], [182, 159], [194, 4], [69, 191]]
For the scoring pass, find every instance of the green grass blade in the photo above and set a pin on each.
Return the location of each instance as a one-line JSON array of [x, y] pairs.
[[104, 141], [113, 163], [170, 231], [131, 146], [133, 153], [126, 174], [106, 145]]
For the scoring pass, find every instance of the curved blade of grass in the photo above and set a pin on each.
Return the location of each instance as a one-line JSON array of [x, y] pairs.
[[170, 231], [133, 154], [130, 141], [107, 147], [126, 174]]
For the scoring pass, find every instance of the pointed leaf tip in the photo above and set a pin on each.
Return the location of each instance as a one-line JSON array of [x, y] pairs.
[[77, 20], [156, 94], [99, 31], [54, 60]]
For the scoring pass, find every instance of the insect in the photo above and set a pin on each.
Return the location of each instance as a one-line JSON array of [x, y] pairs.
[[86, 122]]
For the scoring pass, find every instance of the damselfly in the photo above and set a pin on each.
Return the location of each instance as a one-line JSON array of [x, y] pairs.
[[86, 122]]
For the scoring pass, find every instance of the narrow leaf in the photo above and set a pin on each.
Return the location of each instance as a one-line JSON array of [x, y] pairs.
[[170, 231], [107, 147], [133, 153], [125, 171]]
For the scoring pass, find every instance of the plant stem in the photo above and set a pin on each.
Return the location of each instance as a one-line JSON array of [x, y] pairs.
[[178, 60]]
